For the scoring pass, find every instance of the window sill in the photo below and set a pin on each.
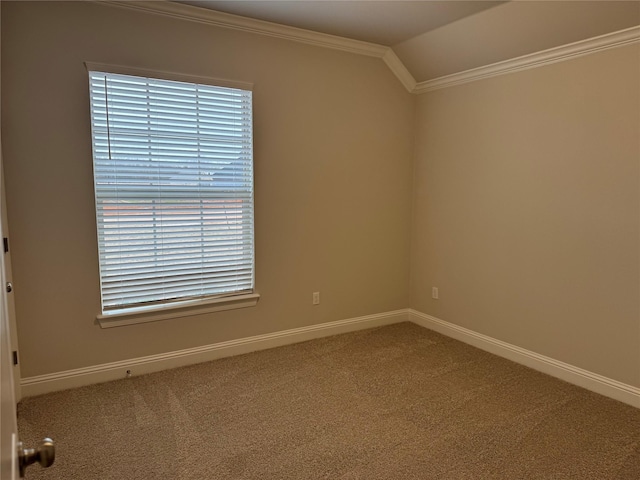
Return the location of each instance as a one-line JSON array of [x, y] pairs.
[[136, 315]]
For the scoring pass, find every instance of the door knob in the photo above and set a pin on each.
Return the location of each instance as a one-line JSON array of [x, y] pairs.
[[45, 454]]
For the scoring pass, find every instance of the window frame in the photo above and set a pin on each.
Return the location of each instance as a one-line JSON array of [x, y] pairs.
[[186, 307]]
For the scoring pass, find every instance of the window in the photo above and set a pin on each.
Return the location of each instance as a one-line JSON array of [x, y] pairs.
[[173, 175]]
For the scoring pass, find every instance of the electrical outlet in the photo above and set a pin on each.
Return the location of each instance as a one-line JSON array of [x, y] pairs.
[[434, 292], [316, 298]]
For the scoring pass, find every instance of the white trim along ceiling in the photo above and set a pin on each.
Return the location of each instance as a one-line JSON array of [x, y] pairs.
[[235, 22]]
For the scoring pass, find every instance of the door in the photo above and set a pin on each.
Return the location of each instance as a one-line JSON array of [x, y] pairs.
[[8, 420], [10, 309]]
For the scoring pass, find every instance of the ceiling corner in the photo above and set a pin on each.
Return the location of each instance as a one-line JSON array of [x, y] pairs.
[[399, 70]]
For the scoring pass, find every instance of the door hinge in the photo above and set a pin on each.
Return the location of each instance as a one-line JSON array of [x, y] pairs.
[[5, 241], [15, 357]]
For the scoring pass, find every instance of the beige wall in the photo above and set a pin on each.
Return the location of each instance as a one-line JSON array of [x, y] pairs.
[[526, 210], [526, 203], [332, 178]]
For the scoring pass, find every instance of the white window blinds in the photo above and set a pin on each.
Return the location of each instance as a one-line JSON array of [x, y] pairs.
[[173, 172]]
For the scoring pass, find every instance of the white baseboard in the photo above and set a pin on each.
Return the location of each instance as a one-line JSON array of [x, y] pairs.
[[564, 371], [116, 370], [138, 366]]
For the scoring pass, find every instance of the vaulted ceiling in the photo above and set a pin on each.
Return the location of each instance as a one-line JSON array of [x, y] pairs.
[[438, 38], [382, 22]]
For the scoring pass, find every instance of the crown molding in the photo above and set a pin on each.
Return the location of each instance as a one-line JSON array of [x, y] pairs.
[[245, 24], [260, 27], [399, 70], [534, 60]]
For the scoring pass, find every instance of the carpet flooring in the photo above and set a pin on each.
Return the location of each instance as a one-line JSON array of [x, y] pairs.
[[397, 402]]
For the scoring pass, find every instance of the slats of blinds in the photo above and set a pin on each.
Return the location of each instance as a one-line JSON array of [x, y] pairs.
[[173, 172]]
